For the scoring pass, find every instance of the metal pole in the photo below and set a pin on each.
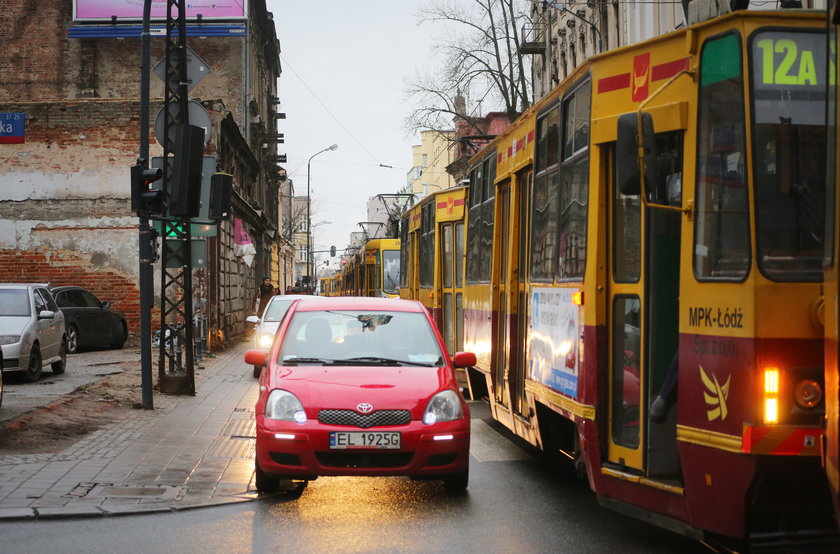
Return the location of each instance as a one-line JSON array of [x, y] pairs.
[[146, 252], [308, 213]]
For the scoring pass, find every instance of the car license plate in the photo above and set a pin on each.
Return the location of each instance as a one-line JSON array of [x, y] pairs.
[[378, 440]]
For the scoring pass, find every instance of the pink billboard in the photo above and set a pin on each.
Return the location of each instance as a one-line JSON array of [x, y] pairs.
[[99, 10]]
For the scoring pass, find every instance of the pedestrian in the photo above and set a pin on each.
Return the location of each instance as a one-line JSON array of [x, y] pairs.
[[289, 289], [297, 289], [264, 293]]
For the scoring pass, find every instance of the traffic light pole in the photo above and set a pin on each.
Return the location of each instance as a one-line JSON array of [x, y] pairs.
[[146, 252]]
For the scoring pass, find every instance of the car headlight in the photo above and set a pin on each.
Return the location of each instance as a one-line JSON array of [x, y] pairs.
[[265, 340], [444, 406], [9, 339], [284, 406]]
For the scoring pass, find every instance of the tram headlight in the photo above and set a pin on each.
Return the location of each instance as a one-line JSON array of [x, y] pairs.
[[807, 394]]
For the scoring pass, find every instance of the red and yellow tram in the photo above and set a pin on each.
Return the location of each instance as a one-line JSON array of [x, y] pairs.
[[643, 276]]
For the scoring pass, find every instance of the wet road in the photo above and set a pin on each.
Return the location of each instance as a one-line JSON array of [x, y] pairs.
[[515, 503]]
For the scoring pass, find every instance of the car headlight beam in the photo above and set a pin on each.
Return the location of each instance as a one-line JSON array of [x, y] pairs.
[[444, 406], [284, 406], [266, 340]]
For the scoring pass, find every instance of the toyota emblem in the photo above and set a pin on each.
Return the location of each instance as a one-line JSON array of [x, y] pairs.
[[364, 408]]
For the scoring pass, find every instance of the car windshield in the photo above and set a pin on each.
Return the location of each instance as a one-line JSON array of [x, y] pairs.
[[360, 338], [14, 302], [277, 308]]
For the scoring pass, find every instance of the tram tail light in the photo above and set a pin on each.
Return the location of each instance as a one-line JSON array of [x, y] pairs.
[[771, 395]]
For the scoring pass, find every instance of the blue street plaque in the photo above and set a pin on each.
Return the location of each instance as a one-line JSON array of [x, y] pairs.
[[12, 128]]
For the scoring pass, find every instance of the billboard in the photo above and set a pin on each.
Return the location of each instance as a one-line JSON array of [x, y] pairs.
[[103, 10]]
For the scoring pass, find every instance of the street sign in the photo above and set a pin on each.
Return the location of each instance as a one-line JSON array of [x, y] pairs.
[[196, 114], [12, 128], [196, 71]]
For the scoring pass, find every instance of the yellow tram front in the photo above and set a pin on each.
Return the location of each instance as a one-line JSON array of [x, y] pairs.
[[667, 332], [382, 268]]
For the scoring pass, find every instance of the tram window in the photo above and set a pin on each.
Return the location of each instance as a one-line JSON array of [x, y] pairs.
[[789, 73], [627, 234], [474, 225], [427, 245], [391, 268], [574, 187], [548, 139], [459, 255], [669, 167], [446, 256], [544, 207], [721, 233], [626, 391], [404, 250]]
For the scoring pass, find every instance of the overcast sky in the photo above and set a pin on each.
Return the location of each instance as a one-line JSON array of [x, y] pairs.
[[344, 67]]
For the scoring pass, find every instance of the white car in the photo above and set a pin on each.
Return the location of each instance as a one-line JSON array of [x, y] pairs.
[[31, 330], [268, 322]]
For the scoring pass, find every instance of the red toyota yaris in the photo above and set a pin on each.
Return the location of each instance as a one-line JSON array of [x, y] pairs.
[[360, 386]]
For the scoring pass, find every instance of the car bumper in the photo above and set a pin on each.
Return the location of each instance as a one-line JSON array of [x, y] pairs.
[[13, 354], [302, 451]]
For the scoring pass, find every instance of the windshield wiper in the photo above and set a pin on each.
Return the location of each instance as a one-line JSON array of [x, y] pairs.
[[367, 360], [296, 361]]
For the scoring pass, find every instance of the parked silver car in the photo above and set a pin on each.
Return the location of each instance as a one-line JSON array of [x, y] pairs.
[[31, 330]]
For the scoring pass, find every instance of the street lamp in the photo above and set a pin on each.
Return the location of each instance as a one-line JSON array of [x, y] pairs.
[[308, 213]]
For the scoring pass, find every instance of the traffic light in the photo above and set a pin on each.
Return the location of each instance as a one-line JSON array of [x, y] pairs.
[[332, 251], [145, 199], [221, 187], [186, 178]]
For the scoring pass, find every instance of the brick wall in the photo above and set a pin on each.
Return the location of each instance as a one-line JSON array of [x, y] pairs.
[[67, 268]]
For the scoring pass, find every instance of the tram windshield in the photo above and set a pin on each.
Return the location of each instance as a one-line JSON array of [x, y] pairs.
[[788, 80], [391, 269]]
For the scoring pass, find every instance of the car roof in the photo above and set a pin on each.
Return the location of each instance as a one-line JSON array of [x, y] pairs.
[[318, 303], [23, 285]]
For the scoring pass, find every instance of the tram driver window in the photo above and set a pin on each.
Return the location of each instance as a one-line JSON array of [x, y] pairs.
[[721, 233]]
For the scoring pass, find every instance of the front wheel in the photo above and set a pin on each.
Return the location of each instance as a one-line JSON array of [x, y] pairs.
[[263, 482], [33, 370], [457, 483], [59, 366]]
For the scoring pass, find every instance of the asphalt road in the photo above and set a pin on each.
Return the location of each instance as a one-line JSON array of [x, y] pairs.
[[82, 368], [516, 502]]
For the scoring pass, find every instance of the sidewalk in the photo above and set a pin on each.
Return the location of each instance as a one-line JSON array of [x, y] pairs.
[[190, 451]]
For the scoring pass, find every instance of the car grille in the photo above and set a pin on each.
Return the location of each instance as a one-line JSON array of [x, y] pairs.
[[379, 418], [350, 460]]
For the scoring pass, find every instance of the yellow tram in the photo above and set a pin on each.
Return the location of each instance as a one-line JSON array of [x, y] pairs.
[[643, 276], [381, 269]]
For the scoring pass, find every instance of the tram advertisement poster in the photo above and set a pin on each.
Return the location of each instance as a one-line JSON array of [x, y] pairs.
[[553, 339]]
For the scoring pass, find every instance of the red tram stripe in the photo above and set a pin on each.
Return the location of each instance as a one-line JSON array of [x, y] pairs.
[[615, 82], [669, 69]]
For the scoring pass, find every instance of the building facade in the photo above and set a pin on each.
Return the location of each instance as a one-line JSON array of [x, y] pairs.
[[429, 160], [65, 214]]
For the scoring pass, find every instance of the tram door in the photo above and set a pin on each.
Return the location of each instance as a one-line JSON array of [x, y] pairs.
[[501, 347], [452, 284], [518, 292], [643, 328]]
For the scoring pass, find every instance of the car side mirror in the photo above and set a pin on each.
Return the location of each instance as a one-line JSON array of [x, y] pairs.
[[106, 304], [256, 358], [46, 314], [463, 359], [253, 319]]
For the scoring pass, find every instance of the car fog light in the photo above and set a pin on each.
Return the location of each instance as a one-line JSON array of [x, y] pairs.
[[807, 393], [284, 436], [444, 437]]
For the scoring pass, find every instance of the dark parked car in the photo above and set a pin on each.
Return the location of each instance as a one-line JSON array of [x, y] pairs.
[[89, 321]]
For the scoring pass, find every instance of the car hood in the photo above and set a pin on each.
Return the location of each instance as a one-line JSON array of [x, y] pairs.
[[344, 387], [10, 325]]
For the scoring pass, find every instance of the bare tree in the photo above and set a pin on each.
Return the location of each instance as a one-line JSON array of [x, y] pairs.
[[482, 64]]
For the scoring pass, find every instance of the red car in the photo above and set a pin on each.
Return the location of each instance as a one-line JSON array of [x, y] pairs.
[[360, 386]]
